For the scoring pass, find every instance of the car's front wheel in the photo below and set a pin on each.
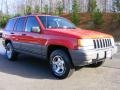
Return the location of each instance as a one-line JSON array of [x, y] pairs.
[[60, 64], [10, 53]]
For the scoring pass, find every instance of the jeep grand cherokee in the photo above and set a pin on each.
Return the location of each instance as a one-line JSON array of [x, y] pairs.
[[57, 40]]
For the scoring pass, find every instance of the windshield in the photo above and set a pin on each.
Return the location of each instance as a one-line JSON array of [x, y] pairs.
[[56, 22]]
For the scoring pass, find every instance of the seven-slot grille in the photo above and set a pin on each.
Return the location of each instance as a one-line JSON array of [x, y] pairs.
[[102, 43]]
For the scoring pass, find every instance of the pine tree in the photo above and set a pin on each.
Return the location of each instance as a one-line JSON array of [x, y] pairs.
[[96, 14], [75, 13]]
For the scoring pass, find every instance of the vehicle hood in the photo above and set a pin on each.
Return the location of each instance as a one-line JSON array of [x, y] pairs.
[[80, 33]]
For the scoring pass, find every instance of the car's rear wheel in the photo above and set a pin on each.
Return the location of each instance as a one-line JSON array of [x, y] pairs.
[[97, 64], [60, 64], [10, 53]]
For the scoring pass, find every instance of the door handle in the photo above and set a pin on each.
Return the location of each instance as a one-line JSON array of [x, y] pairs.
[[23, 34], [11, 33]]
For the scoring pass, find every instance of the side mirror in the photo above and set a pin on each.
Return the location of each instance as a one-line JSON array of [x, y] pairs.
[[35, 29]]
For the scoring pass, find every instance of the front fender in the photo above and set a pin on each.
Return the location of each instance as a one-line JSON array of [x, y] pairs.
[[68, 43]]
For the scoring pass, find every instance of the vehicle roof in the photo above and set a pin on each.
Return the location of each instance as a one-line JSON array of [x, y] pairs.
[[33, 15]]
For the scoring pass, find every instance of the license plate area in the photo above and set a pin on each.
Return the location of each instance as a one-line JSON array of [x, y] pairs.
[[100, 55]]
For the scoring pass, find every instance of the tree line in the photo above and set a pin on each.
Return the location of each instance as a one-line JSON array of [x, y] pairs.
[[51, 6]]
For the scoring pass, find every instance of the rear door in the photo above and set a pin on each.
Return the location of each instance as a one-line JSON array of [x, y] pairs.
[[8, 31], [16, 34]]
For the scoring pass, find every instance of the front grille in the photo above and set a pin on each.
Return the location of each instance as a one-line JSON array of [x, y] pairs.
[[102, 43]]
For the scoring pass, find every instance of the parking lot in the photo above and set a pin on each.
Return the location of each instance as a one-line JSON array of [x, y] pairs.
[[29, 73]]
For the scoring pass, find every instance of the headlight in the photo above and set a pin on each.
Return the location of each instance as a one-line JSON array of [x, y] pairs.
[[86, 43]]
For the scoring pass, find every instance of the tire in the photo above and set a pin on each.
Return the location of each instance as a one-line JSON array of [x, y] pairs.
[[60, 64], [98, 64], [10, 53]]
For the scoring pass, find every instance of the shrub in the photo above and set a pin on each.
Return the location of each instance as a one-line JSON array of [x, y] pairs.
[[115, 20], [116, 10], [37, 9], [97, 17], [4, 20], [28, 10], [17, 15]]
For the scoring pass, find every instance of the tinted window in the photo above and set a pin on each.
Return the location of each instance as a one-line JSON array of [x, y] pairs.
[[31, 22], [19, 26], [56, 22], [10, 24]]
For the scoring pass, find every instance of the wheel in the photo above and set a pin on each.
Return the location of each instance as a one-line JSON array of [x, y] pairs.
[[10, 53], [60, 64], [97, 64]]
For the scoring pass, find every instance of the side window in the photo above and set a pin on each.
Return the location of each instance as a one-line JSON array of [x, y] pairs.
[[10, 25], [19, 26], [31, 22]]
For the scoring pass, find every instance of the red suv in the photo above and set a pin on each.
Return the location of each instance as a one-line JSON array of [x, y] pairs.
[[57, 40]]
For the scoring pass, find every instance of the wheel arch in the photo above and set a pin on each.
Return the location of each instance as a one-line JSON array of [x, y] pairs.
[[7, 41], [51, 48]]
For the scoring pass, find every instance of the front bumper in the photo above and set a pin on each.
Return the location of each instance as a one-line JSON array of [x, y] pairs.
[[83, 57]]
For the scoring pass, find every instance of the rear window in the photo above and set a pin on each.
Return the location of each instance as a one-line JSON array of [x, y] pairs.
[[10, 25]]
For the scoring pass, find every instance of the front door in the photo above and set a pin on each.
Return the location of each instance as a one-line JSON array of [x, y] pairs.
[[31, 42]]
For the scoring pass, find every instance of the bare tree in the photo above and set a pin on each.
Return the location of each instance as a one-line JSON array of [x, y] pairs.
[[1, 5], [6, 4], [63, 3], [89, 3], [51, 8], [41, 2], [105, 6]]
